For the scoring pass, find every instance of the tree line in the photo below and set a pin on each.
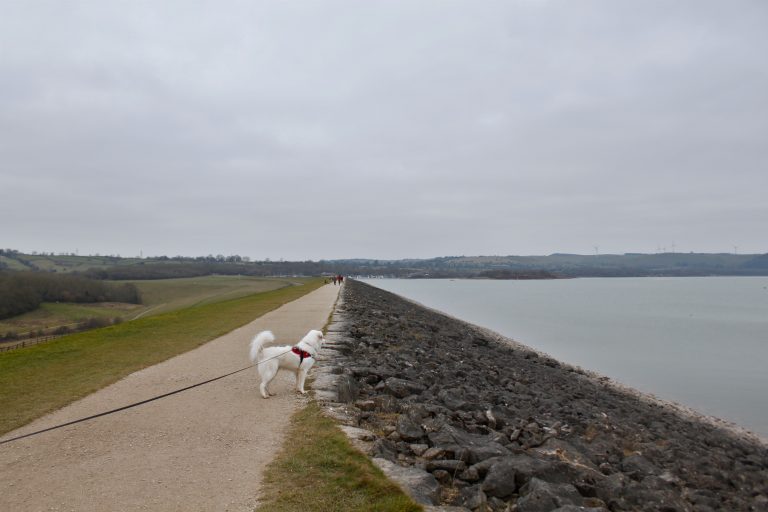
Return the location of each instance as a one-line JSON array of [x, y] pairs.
[[23, 291], [170, 270]]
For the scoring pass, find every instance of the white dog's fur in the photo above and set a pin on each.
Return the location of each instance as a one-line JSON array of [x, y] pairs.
[[281, 357]]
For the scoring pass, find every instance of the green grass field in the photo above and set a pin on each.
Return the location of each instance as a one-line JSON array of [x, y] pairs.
[[40, 379], [163, 295], [331, 475], [159, 296]]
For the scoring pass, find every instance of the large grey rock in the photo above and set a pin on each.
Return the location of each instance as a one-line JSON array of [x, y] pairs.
[[450, 465], [401, 387], [472, 447], [574, 508], [454, 399], [474, 498], [384, 449], [636, 496], [386, 403], [500, 481], [541, 496], [325, 386], [637, 466], [417, 483], [611, 487], [566, 452], [408, 429], [509, 473], [348, 389], [360, 438]]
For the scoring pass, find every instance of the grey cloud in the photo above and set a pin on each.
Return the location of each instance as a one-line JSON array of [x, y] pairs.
[[392, 129]]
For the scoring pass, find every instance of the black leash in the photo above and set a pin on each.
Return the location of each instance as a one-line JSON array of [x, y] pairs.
[[136, 403]]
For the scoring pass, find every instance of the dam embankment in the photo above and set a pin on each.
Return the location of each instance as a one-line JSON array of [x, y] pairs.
[[477, 421]]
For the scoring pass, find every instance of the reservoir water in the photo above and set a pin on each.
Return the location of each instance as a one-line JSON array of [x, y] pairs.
[[698, 341]]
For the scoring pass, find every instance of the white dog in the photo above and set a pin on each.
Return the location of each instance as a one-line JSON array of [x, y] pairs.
[[298, 358]]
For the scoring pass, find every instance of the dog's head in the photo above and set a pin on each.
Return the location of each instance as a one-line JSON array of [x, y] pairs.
[[314, 338]]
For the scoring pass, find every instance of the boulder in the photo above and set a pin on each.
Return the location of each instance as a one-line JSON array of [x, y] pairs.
[[450, 465], [500, 480], [474, 448], [574, 508], [470, 474], [541, 496], [417, 483], [433, 453], [454, 399], [474, 498], [401, 388], [565, 452], [511, 472], [636, 496], [348, 389], [386, 403], [638, 467], [408, 429]]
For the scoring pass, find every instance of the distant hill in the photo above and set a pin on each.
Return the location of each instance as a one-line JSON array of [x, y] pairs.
[[489, 267], [578, 265]]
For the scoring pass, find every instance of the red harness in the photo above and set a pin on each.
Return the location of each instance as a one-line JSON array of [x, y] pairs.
[[303, 354]]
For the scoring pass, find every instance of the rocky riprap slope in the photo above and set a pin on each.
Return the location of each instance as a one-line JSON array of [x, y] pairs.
[[475, 421]]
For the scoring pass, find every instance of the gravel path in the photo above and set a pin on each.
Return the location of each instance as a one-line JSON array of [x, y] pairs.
[[203, 449]]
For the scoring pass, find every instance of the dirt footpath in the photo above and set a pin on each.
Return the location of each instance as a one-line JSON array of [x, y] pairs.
[[204, 449]]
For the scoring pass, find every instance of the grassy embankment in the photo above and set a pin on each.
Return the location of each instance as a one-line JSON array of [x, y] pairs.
[[333, 476], [40, 379], [158, 296]]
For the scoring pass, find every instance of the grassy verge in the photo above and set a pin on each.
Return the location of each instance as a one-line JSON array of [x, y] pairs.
[[319, 471], [40, 379]]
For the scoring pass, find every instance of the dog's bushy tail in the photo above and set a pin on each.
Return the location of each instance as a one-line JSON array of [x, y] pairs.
[[258, 342]]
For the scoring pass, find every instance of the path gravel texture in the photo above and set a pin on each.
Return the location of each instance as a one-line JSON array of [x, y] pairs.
[[204, 449]]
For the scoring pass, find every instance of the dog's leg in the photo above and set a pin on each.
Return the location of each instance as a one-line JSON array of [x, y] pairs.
[[301, 376], [267, 372], [263, 389]]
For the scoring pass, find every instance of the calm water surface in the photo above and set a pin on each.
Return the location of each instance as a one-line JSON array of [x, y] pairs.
[[702, 342]]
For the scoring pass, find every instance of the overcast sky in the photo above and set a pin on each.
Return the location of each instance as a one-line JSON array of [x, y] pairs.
[[383, 129]]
